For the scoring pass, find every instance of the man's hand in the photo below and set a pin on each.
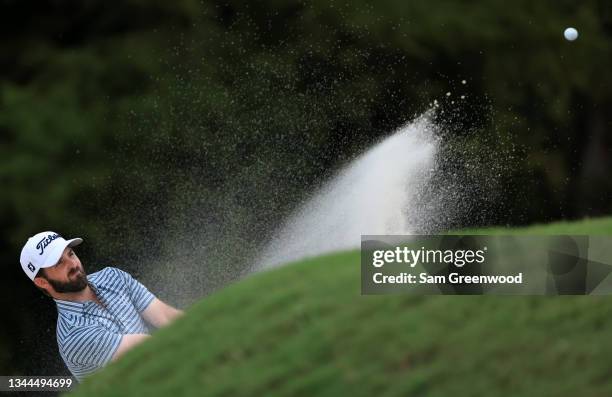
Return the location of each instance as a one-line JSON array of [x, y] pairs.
[[160, 314], [128, 341]]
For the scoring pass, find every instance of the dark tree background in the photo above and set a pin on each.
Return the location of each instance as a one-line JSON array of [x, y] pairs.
[[175, 136]]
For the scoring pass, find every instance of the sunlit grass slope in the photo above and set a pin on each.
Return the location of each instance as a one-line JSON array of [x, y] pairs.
[[304, 329]]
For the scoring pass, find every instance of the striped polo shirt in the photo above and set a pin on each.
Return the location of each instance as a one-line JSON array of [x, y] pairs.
[[88, 334]]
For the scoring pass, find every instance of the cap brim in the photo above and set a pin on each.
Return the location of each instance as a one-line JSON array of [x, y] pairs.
[[74, 242], [57, 252]]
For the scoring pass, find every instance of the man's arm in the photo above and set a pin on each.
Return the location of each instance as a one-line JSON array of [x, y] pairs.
[[154, 311], [160, 314], [128, 341]]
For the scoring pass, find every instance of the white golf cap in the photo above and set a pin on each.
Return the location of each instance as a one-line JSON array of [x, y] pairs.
[[44, 250]]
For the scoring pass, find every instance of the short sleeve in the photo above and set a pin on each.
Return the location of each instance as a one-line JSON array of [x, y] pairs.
[[139, 294], [90, 348]]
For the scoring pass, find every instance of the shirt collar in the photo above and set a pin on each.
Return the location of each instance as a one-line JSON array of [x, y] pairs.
[[76, 307]]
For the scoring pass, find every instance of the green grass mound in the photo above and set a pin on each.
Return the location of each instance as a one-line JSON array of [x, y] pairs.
[[304, 329]]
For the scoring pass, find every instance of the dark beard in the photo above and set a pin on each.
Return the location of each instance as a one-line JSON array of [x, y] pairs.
[[77, 285]]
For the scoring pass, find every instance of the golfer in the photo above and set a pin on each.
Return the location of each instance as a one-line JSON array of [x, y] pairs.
[[100, 316]]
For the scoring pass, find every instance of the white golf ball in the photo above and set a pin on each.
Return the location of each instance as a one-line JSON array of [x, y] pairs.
[[570, 34]]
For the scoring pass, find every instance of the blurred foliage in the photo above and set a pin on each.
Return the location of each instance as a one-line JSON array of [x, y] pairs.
[[137, 123]]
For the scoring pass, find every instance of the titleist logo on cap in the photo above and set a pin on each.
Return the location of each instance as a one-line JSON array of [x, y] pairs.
[[45, 241]]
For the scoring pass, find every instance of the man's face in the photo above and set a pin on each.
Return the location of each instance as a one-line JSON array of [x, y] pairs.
[[67, 275]]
